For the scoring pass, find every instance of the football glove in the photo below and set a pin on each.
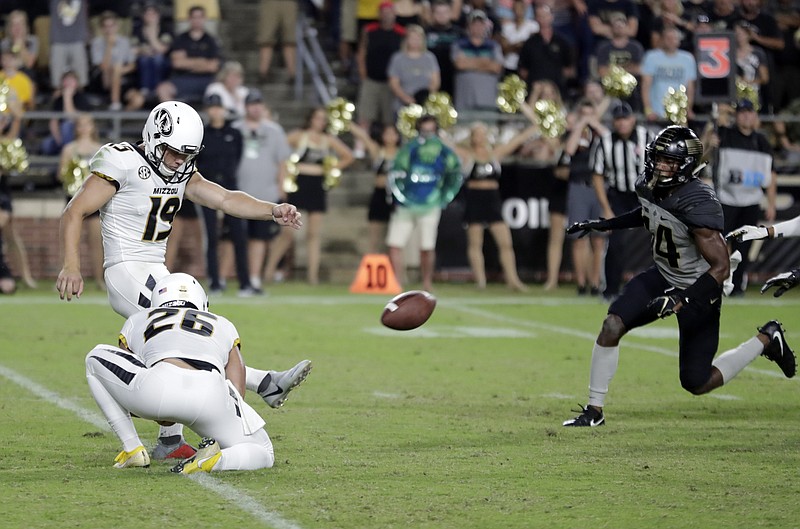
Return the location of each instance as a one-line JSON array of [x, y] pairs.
[[664, 306], [587, 226], [748, 233], [783, 281]]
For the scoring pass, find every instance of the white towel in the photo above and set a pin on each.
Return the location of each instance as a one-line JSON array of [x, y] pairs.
[[251, 420]]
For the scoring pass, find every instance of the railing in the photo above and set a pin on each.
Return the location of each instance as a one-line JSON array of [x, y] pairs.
[[311, 57]]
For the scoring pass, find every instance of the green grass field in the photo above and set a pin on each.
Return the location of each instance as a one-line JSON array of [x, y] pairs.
[[454, 425]]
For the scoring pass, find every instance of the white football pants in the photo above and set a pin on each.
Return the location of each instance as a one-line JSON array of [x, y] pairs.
[[201, 400]]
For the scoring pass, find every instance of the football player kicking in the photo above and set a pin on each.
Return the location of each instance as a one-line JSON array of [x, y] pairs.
[[685, 221], [186, 367], [138, 190], [789, 228]]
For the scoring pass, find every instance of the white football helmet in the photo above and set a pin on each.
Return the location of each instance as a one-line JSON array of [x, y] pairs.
[[178, 126], [179, 290]]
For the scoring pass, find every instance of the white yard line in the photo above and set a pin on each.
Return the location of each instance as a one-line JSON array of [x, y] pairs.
[[236, 497]]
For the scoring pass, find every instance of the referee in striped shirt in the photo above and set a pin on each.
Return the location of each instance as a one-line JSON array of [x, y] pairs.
[[618, 160]]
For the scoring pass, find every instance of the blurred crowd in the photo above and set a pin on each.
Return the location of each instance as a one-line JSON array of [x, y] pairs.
[[79, 56]]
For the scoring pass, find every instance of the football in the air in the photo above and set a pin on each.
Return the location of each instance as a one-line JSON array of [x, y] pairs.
[[408, 310]]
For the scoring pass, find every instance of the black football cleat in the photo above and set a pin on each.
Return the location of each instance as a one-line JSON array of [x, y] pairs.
[[589, 416], [778, 350]]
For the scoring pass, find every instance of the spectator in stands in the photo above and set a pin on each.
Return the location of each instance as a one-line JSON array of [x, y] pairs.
[[195, 58], [441, 35], [229, 86], [152, 40], [669, 13], [786, 78], [665, 68], [261, 173], [277, 18], [19, 40], [478, 60], [600, 14], [413, 71], [182, 15], [506, 11], [751, 62], [514, 33], [23, 86], [410, 12], [481, 166], [379, 41], [222, 151], [465, 8], [348, 35], [10, 122], [722, 14], [587, 252], [113, 61], [381, 153], [763, 31], [79, 150], [546, 55], [69, 99], [313, 145], [625, 52], [69, 35]]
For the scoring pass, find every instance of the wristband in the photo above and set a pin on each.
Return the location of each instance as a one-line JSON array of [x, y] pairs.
[[703, 290]]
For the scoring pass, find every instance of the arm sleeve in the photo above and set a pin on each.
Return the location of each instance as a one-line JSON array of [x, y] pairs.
[[789, 228], [631, 219]]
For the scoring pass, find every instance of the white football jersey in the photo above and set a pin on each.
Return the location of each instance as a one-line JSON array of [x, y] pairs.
[[171, 332], [138, 219]]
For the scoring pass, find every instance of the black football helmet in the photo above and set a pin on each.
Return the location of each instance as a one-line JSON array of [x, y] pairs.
[[677, 145]]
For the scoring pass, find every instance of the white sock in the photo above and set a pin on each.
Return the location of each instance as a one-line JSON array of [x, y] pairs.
[[730, 363], [255, 281], [604, 365], [253, 378], [170, 431]]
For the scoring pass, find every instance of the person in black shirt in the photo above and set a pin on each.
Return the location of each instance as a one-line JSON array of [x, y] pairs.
[[195, 57], [441, 35], [222, 150], [546, 55]]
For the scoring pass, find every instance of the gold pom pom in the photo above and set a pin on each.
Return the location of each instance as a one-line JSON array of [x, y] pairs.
[[511, 93], [676, 105], [618, 82], [340, 115], [550, 118], [13, 156]]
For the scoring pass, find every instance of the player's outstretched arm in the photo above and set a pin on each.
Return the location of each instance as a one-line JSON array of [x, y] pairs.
[[631, 219], [240, 204], [91, 197], [789, 228]]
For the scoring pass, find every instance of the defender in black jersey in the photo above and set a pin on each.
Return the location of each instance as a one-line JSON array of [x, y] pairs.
[[685, 222]]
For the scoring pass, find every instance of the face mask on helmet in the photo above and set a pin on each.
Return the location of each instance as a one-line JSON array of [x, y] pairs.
[[173, 130], [180, 291], [673, 158]]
